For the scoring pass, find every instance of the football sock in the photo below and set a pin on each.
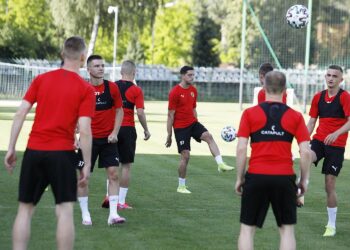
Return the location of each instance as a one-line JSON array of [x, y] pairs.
[[83, 202], [182, 181], [218, 159], [107, 182], [332, 216], [113, 201], [122, 195]]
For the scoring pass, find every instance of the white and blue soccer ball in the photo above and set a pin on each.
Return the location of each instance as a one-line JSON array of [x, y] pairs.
[[297, 16], [228, 133]]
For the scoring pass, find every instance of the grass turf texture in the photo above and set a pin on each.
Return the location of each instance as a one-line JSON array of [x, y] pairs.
[[163, 219]]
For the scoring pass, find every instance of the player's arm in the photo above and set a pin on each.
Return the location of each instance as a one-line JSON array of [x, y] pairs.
[[169, 127], [305, 163], [195, 113], [142, 118], [241, 160], [18, 120], [85, 145], [333, 136], [311, 125], [119, 115]]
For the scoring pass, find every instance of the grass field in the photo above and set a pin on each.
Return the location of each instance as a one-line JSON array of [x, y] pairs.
[[163, 219]]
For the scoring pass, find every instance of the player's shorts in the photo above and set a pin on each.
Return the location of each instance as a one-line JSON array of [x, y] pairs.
[[42, 168], [106, 152], [127, 144], [183, 135], [259, 191], [333, 157]]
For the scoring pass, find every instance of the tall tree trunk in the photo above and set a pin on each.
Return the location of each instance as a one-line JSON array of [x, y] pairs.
[[95, 26]]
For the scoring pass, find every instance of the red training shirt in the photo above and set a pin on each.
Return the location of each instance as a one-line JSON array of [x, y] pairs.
[[262, 96], [183, 101], [272, 157], [327, 126], [62, 97], [103, 122], [134, 95]]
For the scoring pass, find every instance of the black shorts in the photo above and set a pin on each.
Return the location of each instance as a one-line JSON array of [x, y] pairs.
[[183, 135], [333, 157], [259, 191], [43, 168], [106, 152], [127, 144]]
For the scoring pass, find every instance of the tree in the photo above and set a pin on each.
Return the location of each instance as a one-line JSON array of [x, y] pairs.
[[206, 38]]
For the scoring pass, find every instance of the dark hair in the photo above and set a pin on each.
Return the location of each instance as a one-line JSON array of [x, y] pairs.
[[265, 67], [275, 82], [93, 57], [336, 67], [184, 69], [73, 47]]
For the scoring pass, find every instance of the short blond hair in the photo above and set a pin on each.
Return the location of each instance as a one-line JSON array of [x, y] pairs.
[[128, 68], [73, 48]]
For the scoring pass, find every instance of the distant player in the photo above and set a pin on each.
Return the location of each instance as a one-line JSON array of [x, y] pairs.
[[182, 116], [105, 128], [132, 96], [270, 178], [332, 107], [63, 100], [263, 70]]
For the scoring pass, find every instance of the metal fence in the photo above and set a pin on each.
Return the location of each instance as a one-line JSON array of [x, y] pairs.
[[213, 84]]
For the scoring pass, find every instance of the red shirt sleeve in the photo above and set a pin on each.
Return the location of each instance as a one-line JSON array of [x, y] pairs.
[[87, 106], [314, 106], [345, 102], [261, 96], [195, 97], [172, 100], [301, 133], [244, 126], [31, 94], [139, 98], [115, 93]]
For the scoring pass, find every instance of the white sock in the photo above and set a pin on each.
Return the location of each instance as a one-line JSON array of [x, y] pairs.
[[83, 202], [107, 183], [182, 181], [332, 216], [122, 195], [113, 201], [218, 159]]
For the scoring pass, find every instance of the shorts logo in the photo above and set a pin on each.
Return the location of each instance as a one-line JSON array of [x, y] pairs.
[[81, 164], [335, 168], [117, 158], [182, 142]]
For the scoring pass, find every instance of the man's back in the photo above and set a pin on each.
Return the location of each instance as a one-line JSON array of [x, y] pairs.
[[61, 96]]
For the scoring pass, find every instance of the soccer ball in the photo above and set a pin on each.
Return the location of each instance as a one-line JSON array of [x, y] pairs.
[[228, 133], [297, 16]]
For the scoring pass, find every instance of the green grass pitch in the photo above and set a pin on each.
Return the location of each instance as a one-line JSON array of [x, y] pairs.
[[163, 219]]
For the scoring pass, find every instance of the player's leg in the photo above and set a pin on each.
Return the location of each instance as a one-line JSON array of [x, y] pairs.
[[182, 170], [65, 226], [21, 226], [124, 185], [201, 133], [287, 237], [112, 175], [330, 181], [246, 237]]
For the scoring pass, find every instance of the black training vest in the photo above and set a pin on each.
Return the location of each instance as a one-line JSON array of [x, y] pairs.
[[123, 87], [330, 110], [272, 131], [104, 101]]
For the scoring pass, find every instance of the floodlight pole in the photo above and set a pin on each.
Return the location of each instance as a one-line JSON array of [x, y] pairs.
[[114, 9], [307, 55], [244, 21]]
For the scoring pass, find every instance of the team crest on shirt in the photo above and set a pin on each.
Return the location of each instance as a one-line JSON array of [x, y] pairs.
[[192, 94]]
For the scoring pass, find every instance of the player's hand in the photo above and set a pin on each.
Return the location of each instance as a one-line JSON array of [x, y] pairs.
[[76, 143], [239, 187], [10, 161], [84, 175], [331, 138], [168, 141], [302, 188], [113, 138], [147, 135]]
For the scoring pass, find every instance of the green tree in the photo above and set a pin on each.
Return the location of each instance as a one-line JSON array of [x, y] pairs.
[[173, 36], [206, 39]]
